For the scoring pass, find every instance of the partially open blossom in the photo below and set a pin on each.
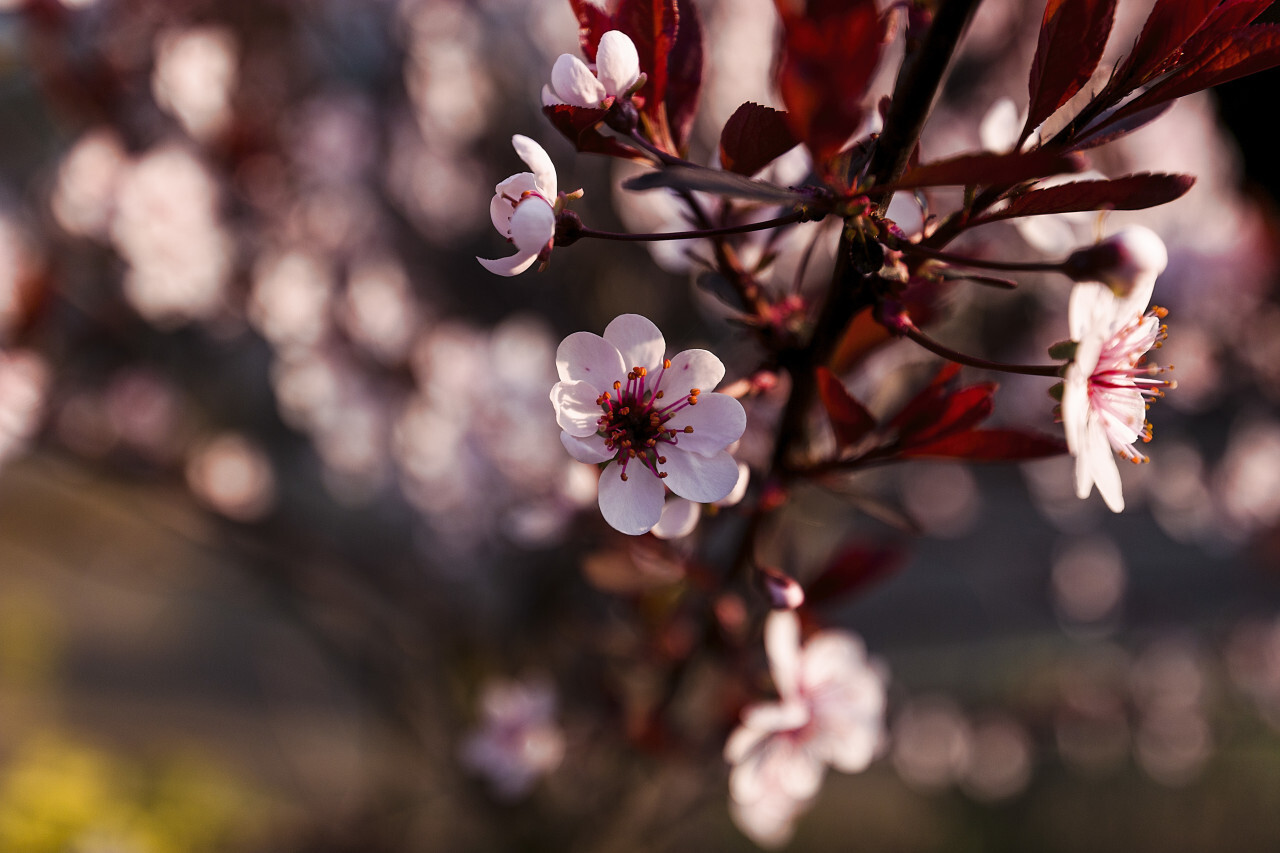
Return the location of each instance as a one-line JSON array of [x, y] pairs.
[[617, 69], [523, 209], [1104, 397], [830, 712], [620, 401], [1128, 262]]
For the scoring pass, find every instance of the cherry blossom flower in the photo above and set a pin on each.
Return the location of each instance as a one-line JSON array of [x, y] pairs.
[[518, 740], [620, 401], [574, 83], [830, 712], [1107, 386], [523, 209]]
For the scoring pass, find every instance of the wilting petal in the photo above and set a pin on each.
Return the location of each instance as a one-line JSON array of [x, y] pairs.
[[533, 225], [679, 518], [617, 63], [591, 359], [639, 341], [718, 420], [576, 410], [573, 81], [693, 368], [589, 449], [538, 161], [634, 505], [700, 478], [514, 265]]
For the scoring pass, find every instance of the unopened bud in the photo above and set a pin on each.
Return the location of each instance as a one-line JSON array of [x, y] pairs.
[[783, 592], [1127, 257]]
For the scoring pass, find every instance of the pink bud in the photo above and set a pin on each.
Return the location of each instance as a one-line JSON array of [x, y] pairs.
[[783, 591], [1127, 258]]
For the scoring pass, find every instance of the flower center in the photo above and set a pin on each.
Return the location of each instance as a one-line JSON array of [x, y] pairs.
[[1121, 375], [635, 420]]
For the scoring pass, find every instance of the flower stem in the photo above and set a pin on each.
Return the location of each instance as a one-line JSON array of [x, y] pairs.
[[796, 216], [911, 331]]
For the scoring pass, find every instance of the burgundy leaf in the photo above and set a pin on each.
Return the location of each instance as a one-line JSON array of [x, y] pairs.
[[828, 54], [580, 125], [593, 22], [1133, 192], [1073, 35], [1170, 23], [715, 181], [651, 24], [962, 410], [989, 445], [1108, 127], [753, 137], [852, 571], [684, 72], [985, 169], [849, 418]]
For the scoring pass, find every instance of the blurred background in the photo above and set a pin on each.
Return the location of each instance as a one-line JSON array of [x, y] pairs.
[[291, 557]]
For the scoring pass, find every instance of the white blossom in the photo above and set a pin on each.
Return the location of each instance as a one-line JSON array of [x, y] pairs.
[[620, 401], [617, 69], [523, 209]]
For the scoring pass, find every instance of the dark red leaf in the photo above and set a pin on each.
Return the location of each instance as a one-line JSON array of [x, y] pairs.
[[852, 571], [1073, 34], [961, 411], [1212, 61], [593, 22], [1133, 192], [684, 72], [580, 125], [753, 137], [651, 24], [986, 169], [828, 54], [849, 418], [923, 415], [1170, 23], [989, 445], [1108, 127]]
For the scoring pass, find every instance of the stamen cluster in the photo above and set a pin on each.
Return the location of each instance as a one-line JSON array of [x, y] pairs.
[[633, 424]]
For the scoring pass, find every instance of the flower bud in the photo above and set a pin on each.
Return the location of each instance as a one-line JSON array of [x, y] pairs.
[[1131, 256], [784, 592]]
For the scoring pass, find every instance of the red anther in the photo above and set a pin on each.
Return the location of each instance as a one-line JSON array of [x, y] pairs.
[[662, 460], [688, 429], [660, 394], [662, 475], [624, 476]]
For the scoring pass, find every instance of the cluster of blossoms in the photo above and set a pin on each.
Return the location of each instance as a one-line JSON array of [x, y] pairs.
[[655, 425]]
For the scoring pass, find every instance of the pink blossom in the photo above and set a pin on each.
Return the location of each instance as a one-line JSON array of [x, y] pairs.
[[620, 401], [830, 712], [523, 209], [1107, 386], [617, 69], [518, 740]]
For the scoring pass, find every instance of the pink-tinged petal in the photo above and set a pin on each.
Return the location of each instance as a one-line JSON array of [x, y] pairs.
[[693, 368], [700, 478], [769, 822], [589, 358], [740, 488], [1101, 461], [576, 410], [506, 196], [634, 505], [776, 716], [830, 657], [1075, 409], [639, 341], [799, 772], [500, 211], [539, 162], [851, 749], [514, 265], [718, 420], [741, 743], [589, 449], [573, 81], [679, 518], [1091, 311], [782, 645], [533, 225], [549, 98], [617, 63]]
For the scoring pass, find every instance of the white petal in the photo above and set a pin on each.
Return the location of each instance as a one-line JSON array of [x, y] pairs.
[[634, 505], [1075, 408], [514, 265], [549, 98], [617, 63], [852, 747], [700, 478], [776, 716], [533, 224], [576, 409], [999, 128], [718, 420], [639, 341], [590, 358], [573, 81], [1091, 311], [679, 518], [500, 211], [740, 488], [782, 644], [1102, 466], [693, 368], [539, 162], [589, 449]]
